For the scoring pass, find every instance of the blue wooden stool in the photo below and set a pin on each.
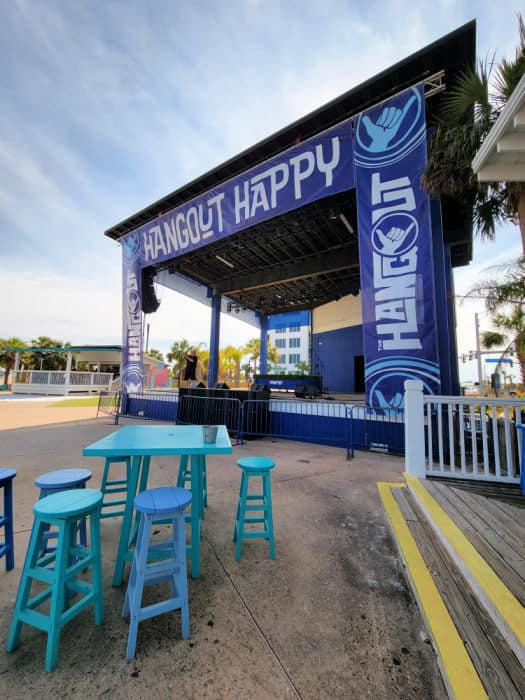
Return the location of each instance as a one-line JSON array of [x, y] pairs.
[[184, 477], [7, 547], [158, 505], [62, 480], [114, 486], [249, 502], [62, 510]]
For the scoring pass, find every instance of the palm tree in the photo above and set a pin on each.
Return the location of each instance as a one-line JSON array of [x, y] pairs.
[[505, 300], [231, 363], [469, 112], [49, 360], [156, 354], [7, 359], [177, 354], [253, 350]]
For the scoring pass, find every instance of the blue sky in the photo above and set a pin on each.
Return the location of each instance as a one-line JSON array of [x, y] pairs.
[[107, 106]]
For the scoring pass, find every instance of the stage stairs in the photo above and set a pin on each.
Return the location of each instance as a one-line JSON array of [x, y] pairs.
[[463, 552]]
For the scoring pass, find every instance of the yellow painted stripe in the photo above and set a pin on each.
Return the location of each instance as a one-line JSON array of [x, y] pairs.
[[496, 591], [463, 679]]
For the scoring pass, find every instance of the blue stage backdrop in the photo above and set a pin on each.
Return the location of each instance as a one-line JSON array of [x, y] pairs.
[[395, 249]]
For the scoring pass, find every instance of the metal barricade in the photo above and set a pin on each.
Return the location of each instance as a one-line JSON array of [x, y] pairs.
[[149, 406], [109, 404], [375, 430], [211, 410], [321, 422]]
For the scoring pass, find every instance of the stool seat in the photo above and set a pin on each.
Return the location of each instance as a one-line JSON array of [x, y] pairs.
[[255, 463], [67, 504], [6, 474], [165, 499], [62, 478]]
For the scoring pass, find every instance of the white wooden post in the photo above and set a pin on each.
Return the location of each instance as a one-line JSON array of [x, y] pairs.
[[414, 429]]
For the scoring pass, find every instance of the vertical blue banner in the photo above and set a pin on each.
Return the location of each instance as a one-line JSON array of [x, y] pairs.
[[131, 370], [395, 249]]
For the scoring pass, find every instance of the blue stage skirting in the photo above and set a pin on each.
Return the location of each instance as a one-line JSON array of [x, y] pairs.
[[353, 427]]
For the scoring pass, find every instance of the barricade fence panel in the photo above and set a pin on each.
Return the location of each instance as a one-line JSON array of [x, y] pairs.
[[211, 410], [375, 430], [321, 422], [162, 407], [109, 403], [473, 437]]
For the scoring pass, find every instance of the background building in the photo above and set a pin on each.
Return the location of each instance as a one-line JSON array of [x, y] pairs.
[[290, 333]]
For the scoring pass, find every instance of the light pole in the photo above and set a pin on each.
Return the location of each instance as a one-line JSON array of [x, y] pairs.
[[478, 353]]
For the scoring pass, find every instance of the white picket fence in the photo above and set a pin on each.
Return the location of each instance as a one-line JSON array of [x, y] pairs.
[[463, 437]]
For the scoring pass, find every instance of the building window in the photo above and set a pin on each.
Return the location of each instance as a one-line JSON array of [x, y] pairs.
[[280, 343], [282, 359], [280, 330], [294, 343], [294, 329], [294, 358]]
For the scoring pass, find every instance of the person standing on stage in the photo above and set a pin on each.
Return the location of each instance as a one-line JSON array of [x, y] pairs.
[[191, 365]]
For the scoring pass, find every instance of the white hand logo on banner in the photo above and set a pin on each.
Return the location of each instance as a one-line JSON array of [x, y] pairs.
[[394, 239], [387, 126]]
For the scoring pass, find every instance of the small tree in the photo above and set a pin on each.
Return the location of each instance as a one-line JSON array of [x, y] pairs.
[[505, 300], [156, 354], [7, 359]]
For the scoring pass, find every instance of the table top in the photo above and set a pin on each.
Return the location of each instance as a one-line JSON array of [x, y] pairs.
[[159, 440]]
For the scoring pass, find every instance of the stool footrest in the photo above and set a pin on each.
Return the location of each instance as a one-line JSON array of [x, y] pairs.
[[117, 482], [254, 520], [161, 607], [255, 534]]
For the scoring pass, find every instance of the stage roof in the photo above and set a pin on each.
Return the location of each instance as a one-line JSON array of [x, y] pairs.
[[309, 256]]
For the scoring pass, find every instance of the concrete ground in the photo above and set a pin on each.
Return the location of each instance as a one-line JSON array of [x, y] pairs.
[[330, 617]]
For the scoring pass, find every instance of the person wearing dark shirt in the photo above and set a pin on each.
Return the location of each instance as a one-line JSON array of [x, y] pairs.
[[191, 365]]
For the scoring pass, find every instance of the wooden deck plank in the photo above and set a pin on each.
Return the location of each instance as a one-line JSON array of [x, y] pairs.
[[497, 666], [493, 519], [477, 524], [512, 579], [400, 496]]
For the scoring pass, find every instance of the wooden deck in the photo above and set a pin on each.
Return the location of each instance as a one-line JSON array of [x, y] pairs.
[[493, 519]]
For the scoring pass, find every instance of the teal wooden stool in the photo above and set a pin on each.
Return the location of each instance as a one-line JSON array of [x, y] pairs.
[[62, 510], [184, 479], [7, 547], [160, 505], [250, 502], [111, 487]]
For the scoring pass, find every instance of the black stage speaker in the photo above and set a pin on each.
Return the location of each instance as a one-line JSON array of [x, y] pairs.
[[303, 391], [221, 385], [261, 388], [150, 303], [197, 385]]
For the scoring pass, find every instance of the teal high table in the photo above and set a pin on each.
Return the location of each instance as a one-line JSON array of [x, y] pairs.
[[141, 442]]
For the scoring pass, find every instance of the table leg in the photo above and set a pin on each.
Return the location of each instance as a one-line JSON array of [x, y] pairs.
[[196, 505], [127, 518]]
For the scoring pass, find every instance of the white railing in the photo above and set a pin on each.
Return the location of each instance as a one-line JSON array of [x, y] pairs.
[[49, 382], [463, 437]]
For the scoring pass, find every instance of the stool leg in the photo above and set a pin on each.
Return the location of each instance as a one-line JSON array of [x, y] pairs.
[[96, 568], [120, 561], [57, 597], [238, 512], [135, 599], [8, 528], [25, 583], [196, 506], [183, 467], [180, 577], [240, 522], [268, 524]]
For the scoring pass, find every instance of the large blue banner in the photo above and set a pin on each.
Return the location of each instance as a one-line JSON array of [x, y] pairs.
[[316, 168], [395, 249], [131, 370]]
